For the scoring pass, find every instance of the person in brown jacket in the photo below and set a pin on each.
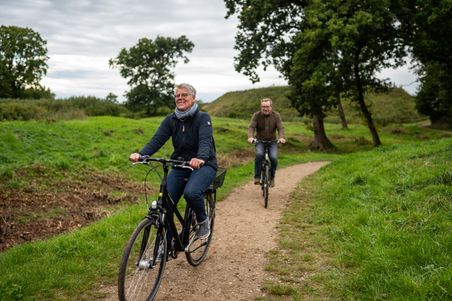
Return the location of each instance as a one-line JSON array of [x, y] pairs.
[[263, 126]]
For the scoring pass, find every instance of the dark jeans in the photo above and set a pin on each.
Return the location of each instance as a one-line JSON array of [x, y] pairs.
[[272, 153], [191, 184]]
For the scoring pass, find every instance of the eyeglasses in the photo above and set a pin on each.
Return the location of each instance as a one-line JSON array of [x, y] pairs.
[[265, 107], [183, 95]]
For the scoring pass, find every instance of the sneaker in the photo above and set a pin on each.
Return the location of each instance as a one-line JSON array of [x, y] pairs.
[[203, 230], [272, 182], [257, 181]]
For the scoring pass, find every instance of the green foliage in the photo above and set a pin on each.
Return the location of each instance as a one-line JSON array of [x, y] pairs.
[[23, 57], [265, 34], [94, 106], [76, 107], [148, 67], [425, 26], [433, 99]]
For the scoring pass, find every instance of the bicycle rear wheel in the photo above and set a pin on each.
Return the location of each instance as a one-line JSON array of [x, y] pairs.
[[266, 184], [143, 262], [196, 250]]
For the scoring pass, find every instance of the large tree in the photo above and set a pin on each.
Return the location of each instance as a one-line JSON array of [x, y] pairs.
[[364, 34], [426, 26], [266, 36], [23, 57], [358, 39], [148, 66], [313, 75]]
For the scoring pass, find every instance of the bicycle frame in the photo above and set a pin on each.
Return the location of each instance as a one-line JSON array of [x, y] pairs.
[[265, 169], [145, 255], [166, 204]]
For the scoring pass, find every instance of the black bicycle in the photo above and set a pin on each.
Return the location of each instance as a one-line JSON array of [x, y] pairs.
[[145, 256], [265, 177]]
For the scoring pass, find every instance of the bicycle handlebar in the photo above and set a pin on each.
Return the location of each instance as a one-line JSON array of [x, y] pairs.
[[265, 141], [174, 163]]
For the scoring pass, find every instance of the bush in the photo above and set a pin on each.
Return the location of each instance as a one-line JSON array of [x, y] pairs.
[[50, 109], [16, 110]]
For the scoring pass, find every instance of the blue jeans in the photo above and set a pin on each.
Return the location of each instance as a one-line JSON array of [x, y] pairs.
[[191, 184], [272, 153]]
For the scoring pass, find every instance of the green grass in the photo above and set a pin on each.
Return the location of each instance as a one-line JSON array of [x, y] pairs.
[[370, 226], [358, 210]]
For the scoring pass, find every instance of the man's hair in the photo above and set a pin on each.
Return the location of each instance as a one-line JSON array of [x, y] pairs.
[[267, 99], [190, 88]]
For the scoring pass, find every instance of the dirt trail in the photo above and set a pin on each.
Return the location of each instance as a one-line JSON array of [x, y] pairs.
[[244, 232]]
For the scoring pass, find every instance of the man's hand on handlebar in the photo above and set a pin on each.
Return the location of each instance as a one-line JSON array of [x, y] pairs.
[[251, 140]]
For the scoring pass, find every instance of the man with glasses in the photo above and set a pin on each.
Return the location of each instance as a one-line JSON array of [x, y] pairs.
[[263, 126], [192, 137]]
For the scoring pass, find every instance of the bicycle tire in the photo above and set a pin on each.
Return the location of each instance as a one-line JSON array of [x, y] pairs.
[[266, 185], [137, 280], [197, 249]]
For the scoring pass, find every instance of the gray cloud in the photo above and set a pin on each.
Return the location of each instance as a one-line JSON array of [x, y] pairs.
[[82, 35]]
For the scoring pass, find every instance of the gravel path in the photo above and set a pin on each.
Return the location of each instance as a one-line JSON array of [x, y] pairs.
[[244, 232]]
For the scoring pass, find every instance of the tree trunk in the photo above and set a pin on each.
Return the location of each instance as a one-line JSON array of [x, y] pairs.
[[364, 110], [321, 141], [340, 109]]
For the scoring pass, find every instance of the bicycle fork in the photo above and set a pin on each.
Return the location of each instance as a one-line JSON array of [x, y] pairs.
[[157, 252]]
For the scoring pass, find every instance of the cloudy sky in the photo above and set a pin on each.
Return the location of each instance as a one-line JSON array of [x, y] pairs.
[[82, 35]]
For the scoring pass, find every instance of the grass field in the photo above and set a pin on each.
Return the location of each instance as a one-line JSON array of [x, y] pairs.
[[374, 225]]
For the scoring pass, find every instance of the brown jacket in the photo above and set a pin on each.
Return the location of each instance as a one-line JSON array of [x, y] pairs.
[[266, 126]]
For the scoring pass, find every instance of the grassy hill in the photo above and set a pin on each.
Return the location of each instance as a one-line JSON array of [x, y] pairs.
[[378, 216], [396, 106]]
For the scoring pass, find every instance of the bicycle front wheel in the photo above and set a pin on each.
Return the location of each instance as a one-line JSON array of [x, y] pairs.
[[143, 263], [196, 250]]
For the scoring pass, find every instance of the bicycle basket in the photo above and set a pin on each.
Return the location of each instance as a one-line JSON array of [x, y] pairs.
[[219, 178]]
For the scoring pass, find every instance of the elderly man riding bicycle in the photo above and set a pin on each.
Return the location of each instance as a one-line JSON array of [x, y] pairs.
[[263, 126]]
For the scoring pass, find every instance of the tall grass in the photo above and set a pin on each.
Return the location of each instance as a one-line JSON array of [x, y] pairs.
[[370, 226]]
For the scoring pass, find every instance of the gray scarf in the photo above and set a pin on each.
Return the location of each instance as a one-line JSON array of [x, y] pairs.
[[185, 114]]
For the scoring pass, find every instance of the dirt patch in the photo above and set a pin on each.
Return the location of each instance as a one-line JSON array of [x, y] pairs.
[[42, 209], [244, 232]]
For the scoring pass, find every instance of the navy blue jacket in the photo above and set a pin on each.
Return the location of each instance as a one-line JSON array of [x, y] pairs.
[[192, 138]]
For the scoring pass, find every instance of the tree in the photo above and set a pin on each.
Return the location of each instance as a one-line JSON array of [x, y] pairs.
[[111, 97], [434, 97], [313, 76], [267, 33], [365, 37], [148, 67], [23, 57], [426, 26]]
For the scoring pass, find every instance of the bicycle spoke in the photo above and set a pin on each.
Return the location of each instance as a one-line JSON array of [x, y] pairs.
[[141, 269], [196, 250]]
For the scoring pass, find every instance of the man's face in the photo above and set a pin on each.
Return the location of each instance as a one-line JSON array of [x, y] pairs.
[[266, 107], [184, 100]]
